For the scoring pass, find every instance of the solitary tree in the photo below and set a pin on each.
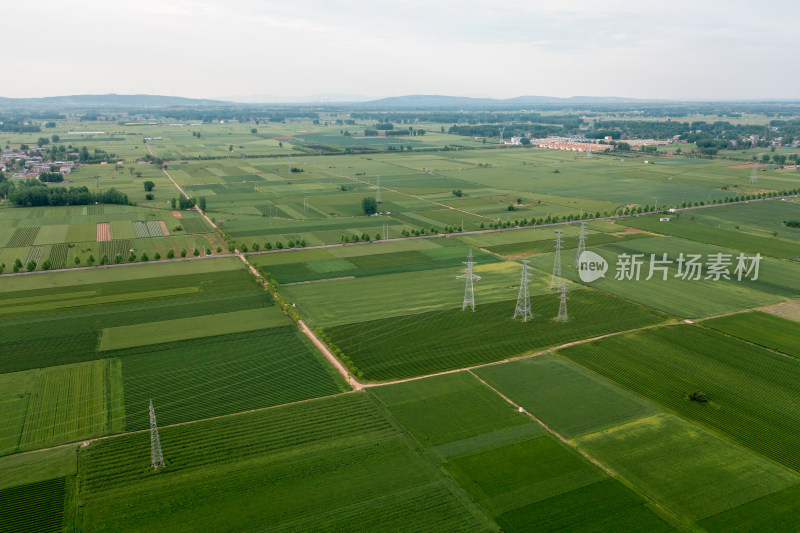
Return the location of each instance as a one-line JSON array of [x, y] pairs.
[[149, 185], [369, 205], [202, 203]]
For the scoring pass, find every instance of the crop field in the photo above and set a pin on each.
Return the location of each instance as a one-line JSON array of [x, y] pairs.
[[359, 472], [352, 300], [78, 232], [34, 507], [666, 365], [663, 455], [777, 280], [413, 345], [273, 367], [623, 418], [376, 259], [527, 481], [658, 453], [751, 243], [83, 359], [764, 329], [452, 413], [508, 462], [565, 396], [758, 218]]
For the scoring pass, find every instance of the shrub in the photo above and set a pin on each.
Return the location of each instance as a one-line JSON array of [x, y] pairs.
[[698, 396]]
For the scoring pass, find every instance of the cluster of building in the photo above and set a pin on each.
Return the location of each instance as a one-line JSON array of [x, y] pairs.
[[583, 144], [33, 164], [557, 143]]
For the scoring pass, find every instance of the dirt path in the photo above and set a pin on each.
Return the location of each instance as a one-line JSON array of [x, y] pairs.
[[196, 208], [521, 357], [575, 447], [312, 337]]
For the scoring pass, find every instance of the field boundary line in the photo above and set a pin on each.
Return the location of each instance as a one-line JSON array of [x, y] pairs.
[[332, 359], [587, 456], [521, 357], [87, 442]]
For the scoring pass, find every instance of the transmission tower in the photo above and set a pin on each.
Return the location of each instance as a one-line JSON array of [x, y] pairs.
[[523, 300], [754, 174], [378, 192], [581, 243], [589, 153], [562, 307], [385, 232], [305, 203], [501, 134], [289, 159], [156, 457], [469, 276], [556, 281]]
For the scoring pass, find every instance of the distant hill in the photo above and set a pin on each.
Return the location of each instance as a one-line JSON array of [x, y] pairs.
[[110, 100], [439, 101]]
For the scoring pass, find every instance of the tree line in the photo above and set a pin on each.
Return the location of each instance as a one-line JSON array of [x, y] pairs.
[[33, 193]]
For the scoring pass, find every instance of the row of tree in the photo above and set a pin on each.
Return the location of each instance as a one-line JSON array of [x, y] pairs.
[[33, 193]]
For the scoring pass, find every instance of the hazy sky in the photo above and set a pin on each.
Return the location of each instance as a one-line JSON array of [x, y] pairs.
[[698, 49]]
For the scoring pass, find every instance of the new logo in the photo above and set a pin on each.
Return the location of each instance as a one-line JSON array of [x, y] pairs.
[[591, 266]]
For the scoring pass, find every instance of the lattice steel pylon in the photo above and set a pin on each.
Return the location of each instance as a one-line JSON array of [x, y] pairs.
[[562, 306], [523, 300], [378, 191], [469, 276], [156, 457], [581, 243], [754, 174], [556, 281]]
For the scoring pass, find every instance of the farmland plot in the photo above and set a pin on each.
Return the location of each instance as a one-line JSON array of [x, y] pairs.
[[358, 472]]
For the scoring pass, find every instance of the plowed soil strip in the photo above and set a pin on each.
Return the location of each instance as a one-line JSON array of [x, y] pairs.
[[103, 231]]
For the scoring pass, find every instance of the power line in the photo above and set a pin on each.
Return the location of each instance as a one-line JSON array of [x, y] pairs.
[[156, 457], [556, 281], [469, 276], [562, 306], [581, 243], [523, 300]]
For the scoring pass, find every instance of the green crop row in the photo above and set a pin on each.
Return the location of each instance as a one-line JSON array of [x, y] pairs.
[[425, 343], [127, 458], [34, 507], [23, 237], [751, 393]]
